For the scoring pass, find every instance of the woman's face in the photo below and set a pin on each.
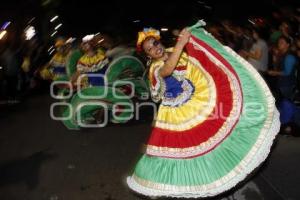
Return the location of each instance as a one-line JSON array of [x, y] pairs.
[[86, 47], [283, 45], [284, 27], [153, 48], [255, 35], [60, 49]]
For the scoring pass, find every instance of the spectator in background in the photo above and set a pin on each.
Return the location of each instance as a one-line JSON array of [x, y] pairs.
[[2, 75], [286, 30], [215, 30], [274, 36], [297, 20], [258, 54], [10, 62], [297, 53], [247, 42], [228, 34], [285, 69], [289, 117], [297, 42], [239, 38]]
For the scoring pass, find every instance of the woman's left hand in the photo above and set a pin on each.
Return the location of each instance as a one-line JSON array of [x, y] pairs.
[[184, 37]]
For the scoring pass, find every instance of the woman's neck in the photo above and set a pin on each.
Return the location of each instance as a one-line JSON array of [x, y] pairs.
[[165, 56]]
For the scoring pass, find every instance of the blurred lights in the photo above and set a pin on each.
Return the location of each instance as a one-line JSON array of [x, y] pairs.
[[51, 48], [200, 2], [5, 25], [2, 34], [53, 34], [88, 38], [252, 22], [54, 18], [31, 20], [29, 32], [58, 26], [164, 29], [70, 40], [52, 51], [137, 21], [100, 40]]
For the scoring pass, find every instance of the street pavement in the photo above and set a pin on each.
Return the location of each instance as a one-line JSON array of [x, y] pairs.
[[41, 160]]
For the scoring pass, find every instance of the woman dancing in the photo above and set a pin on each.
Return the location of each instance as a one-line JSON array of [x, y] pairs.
[[216, 122]]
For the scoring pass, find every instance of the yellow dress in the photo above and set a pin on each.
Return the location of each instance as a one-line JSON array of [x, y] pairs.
[[215, 124]]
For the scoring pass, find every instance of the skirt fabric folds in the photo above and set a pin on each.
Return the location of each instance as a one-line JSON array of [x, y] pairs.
[[210, 133]]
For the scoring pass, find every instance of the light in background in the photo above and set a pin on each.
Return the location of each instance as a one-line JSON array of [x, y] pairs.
[[5, 25], [54, 18], [3, 33], [164, 29], [58, 26], [53, 34], [29, 32]]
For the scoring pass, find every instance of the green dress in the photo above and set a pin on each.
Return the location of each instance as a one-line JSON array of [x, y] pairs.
[[216, 123]]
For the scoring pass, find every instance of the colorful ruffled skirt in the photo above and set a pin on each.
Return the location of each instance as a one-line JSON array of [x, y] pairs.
[[110, 92], [213, 136]]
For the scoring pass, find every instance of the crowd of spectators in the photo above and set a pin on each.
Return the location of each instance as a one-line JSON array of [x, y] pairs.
[[272, 45]]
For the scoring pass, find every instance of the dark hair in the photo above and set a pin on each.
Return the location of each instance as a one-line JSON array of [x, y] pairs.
[[261, 32], [258, 31], [286, 39], [140, 47]]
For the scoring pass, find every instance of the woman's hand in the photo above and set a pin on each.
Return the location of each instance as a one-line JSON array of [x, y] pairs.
[[184, 37]]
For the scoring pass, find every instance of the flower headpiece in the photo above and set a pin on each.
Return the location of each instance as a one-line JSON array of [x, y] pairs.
[[59, 42], [143, 35]]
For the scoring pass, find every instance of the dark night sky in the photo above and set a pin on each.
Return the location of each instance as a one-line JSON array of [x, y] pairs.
[[85, 16], [155, 12], [88, 17]]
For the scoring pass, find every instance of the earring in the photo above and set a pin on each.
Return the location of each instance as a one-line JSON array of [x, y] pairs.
[[149, 61]]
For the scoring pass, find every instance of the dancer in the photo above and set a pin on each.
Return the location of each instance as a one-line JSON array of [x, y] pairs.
[[56, 68], [92, 65], [216, 122]]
